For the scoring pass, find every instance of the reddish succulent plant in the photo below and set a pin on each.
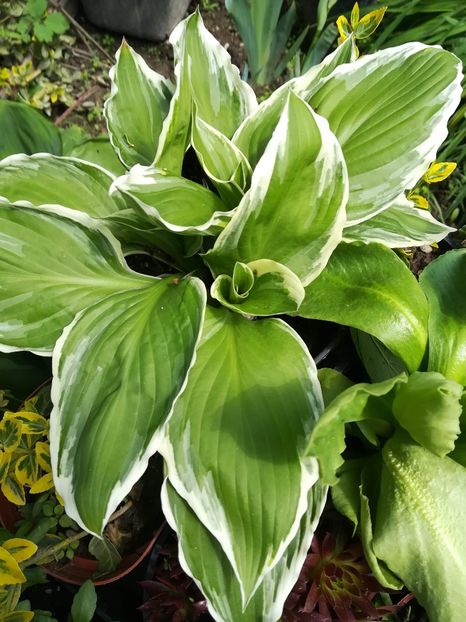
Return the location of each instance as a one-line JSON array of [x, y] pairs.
[[335, 584]]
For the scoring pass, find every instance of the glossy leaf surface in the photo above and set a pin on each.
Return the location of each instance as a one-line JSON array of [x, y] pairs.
[[443, 282], [368, 287]]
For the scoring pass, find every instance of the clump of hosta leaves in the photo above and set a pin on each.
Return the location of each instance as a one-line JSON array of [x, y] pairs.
[[24, 454], [291, 208]]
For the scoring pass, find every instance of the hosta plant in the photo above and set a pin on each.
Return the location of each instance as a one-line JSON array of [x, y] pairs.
[[244, 209]]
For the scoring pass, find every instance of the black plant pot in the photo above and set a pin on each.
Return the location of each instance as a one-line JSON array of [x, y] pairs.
[[144, 19]]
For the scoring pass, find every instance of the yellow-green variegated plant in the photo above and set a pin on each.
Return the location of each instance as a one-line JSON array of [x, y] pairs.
[[189, 363]]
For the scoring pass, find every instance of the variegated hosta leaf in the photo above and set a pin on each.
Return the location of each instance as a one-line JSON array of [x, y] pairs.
[[222, 99], [137, 106], [398, 226], [421, 508], [201, 556], [443, 282], [261, 288], [366, 286], [389, 111], [234, 440], [20, 549], [44, 179], [174, 138], [256, 130], [98, 151], [205, 77], [117, 369], [294, 211], [10, 572], [51, 267], [180, 205], [222, 161]]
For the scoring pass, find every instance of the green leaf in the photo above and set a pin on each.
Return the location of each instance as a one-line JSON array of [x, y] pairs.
[[98, 151], [84, 603], [235, 439], [174, 202], [443, 282], [206, 78], [51, 267], [428, 406], [389, 111], [44, 179], [369, 288], [221, 98], [56, 23], [137, 106], [140, 345], [379, 362], [36, 8], [202, 558], [222, 161], [256, 130], [295, 209], [421, 509], [332, 383], [360, 402], [399, 226], [271, 289], [105, 553], [24, 130]]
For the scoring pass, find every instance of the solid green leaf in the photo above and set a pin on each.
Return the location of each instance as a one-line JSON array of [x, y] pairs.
[[332, 383], [51, 267], [120, 364], [202, 557], [174, 202], [380, 363], [137, 106], [366, 286], [443, 282], [361, 402], [235, 439], [25, 130], [399, 226], [294, 210], [428, 406], [44, 179], [389, 111], [272, 289], [98, 151], [421, 509], [56, 23], [84, 603]]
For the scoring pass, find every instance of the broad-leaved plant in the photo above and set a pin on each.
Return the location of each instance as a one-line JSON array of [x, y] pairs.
[[254, 210]]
